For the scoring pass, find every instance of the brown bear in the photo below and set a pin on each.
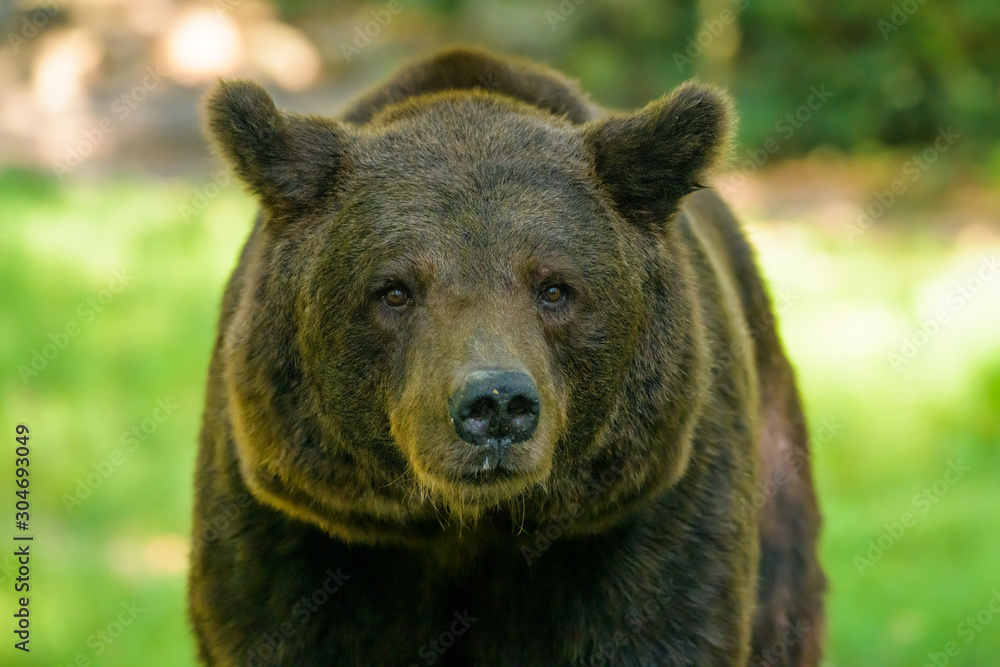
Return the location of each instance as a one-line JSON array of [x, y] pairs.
[[497, 382]]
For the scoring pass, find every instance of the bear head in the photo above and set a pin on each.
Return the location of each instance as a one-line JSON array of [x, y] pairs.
[[465, 306]]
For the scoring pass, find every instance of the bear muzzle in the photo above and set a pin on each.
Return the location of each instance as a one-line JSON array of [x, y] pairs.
[[477, 434], [494, 413]]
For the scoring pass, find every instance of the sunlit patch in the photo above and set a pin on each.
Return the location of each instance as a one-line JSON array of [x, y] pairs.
[[123, 557], [165, 554], [283, 53], [149, 16], [202, 45], [907, 626], [975, 236], [161, 555], [64, 59]]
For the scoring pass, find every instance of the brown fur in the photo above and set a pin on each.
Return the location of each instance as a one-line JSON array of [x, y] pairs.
[[475, 182]]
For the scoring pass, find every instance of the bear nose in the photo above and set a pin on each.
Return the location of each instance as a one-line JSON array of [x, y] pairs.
[[495, 408]]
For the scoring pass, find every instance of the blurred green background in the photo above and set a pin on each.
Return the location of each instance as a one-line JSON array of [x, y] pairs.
[[867, 174]]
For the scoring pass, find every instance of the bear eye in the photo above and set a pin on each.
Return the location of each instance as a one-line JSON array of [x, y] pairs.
[[396, 296], [553, 295]]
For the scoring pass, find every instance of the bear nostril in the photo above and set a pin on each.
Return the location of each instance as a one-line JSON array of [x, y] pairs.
[[520, 406], [483, 409], [480, 417]]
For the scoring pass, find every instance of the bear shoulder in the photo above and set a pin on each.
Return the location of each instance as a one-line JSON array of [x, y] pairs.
[[473, 69]]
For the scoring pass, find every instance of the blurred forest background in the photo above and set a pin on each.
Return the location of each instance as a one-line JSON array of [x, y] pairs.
[[867, 174]]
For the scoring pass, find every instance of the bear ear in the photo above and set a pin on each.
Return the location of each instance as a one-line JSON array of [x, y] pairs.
[[649, 159], [292, 163]]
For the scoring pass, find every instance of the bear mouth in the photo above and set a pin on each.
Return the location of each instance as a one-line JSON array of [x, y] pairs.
[[482, 475], [497, 461], [485, 476]]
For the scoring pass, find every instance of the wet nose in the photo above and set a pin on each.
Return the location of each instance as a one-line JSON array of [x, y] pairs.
[[495, 408]]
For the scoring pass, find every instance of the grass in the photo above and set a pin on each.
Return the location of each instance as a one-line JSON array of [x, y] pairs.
[[110, 514]]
